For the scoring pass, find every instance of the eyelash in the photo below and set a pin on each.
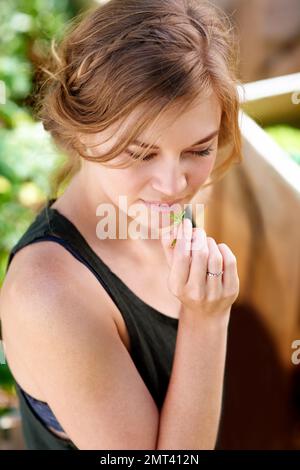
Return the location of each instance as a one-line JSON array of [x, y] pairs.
[[196, 153]]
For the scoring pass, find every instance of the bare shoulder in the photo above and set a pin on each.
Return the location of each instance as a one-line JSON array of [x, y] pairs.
[[37, 262], [47, 273]]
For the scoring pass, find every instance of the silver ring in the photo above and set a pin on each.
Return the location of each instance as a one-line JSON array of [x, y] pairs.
[[214, 274]]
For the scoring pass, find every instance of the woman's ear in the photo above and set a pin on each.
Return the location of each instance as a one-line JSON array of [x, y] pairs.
[[86, 141], [82, 138]]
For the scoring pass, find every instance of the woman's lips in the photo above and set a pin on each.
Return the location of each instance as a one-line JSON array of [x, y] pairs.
[[165, 207]]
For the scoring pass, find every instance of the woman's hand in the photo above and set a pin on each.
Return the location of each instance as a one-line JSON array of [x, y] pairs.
[[191, 257]]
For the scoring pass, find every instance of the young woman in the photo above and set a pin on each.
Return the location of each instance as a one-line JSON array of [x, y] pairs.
[[120, 342]]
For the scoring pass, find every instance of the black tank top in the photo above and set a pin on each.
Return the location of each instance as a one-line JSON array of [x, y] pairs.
[[152, 333]]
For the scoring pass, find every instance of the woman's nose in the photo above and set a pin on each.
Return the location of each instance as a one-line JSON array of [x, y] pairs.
[[170, 180]]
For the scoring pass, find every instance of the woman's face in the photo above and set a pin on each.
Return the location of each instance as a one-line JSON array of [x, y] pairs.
[[172, 171]]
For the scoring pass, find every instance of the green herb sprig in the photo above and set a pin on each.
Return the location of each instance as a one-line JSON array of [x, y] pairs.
[[177, 218]]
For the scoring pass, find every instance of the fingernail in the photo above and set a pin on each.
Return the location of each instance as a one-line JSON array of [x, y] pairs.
[[180, 230], [187, 226]]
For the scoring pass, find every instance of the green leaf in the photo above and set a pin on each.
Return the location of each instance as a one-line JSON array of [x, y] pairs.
[[177, 218]]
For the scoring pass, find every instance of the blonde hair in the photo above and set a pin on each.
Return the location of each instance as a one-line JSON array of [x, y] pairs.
[[127, 53]]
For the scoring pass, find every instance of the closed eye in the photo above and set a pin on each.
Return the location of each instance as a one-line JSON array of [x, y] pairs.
[[202, 153], [196, 153]]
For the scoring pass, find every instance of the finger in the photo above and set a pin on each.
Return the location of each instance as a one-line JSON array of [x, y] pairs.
[[198, 268], [180, 268], [215, 260], [230, 275], [214, 265]]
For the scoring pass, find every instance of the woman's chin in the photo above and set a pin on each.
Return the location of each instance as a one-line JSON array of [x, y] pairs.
[[150, 228]]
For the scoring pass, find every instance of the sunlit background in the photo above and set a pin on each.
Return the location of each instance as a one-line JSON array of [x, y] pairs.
[[255, 209]]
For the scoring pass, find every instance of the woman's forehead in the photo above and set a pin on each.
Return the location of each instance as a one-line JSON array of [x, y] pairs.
[[198, 120]]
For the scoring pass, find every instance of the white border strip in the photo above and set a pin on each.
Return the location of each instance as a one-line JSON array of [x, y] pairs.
[[269, 88]]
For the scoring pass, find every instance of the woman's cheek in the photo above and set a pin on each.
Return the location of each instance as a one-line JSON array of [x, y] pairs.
[[202, 171], [130, 181]]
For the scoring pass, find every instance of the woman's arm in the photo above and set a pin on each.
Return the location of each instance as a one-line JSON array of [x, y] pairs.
[[190, 414]]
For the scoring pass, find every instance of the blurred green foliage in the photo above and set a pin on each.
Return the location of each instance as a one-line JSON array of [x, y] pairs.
[[288, 138], [27, 154]]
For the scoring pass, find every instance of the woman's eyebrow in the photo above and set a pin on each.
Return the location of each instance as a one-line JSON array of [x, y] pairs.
[[202, 141]]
